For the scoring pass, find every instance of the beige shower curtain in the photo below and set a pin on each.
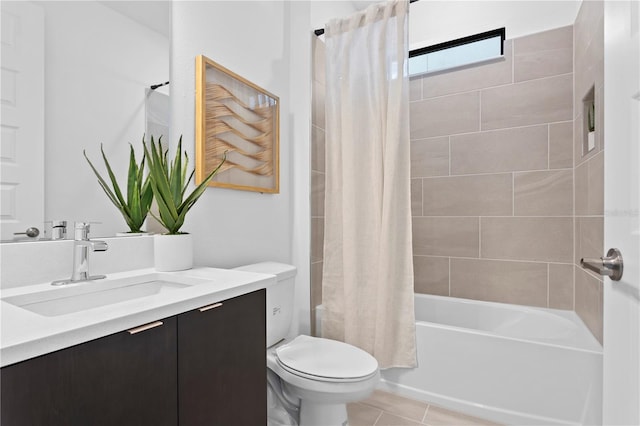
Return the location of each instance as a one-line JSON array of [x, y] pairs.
[[368, 265]]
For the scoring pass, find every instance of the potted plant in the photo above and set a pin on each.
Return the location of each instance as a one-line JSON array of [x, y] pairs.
[[169, 182], [135, 207]]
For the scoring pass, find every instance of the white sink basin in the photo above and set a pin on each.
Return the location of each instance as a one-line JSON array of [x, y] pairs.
[[93, 294]]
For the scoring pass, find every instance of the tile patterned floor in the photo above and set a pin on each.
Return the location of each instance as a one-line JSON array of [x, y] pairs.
[[387, 409]]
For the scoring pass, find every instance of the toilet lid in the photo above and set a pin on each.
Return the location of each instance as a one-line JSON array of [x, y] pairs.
[[324, 358]]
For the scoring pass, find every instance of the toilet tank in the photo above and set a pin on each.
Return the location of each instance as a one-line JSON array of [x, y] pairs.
[[279, 297]]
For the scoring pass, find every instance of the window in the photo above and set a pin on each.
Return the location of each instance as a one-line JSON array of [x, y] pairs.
[[457, 53]]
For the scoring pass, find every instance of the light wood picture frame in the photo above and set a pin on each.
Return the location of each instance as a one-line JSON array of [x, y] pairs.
[[239, 118]]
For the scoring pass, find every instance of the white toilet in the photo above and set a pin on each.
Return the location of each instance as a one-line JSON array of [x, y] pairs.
[[312, 378]]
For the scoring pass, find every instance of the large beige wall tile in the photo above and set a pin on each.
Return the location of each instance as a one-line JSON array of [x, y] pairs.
[[431, 275], [547, 239], [430, 157], [319, 59], [317, 149], [589, 15], [316, 284], [581, 177], [561, 145], [522, 283], [415, 88], [317, 239], [523, 148], [416, 197], [543, 54], [477, 195], [589, 65], [316, 294], [470, 78], [317, 107], [445, 236], [447, 115], [540, 101], [545, 193], [561, 286], [589, 238], [595, 204], [589, 300], [317, 194], [589, 187]]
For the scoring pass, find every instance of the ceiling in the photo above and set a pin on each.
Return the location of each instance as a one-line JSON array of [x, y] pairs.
[[155, 15]]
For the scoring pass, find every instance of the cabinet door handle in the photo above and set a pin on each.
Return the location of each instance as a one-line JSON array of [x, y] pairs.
[[206, 308], [145, 327]]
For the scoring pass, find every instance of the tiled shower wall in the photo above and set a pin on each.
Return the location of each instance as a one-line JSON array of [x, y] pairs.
[[589, 168], [492, 176], [495, 214]]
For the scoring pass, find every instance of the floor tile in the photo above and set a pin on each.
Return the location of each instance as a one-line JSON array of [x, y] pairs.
[[437, 416], [362, 415], [391, 420], [397, 405]]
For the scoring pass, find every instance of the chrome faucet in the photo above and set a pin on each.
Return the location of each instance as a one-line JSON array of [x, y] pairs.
[[81, 247]]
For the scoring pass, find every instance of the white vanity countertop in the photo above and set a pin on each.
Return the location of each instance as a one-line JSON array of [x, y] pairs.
[[25, 334]]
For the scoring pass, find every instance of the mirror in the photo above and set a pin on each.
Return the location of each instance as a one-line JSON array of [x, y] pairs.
[[98, 60]]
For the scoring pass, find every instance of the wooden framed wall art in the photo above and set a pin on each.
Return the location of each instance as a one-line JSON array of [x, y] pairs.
[[236, 116]]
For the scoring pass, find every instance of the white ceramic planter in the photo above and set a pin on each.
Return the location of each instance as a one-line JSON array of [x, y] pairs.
[[131, 234], [173, 252]]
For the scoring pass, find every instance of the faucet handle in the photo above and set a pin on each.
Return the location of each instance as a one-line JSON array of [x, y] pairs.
[[57, 229], [81, 230]]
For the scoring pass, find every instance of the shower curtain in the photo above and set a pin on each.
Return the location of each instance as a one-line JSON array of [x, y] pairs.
[[368, 265]]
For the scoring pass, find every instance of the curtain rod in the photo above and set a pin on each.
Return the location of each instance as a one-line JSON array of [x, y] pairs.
[[155, 86], [320, 31]]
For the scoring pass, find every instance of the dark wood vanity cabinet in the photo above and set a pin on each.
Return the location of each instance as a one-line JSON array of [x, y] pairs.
[[121, 379], [195, 368]]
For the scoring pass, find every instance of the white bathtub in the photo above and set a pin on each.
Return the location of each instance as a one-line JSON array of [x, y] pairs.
[[507, 363]]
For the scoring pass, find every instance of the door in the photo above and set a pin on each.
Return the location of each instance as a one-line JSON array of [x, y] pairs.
[[22, 123], [222, 363], [621, 368], [125, 379]]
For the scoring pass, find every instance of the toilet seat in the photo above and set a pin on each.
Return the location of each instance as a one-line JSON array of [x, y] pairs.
[[325, 360]]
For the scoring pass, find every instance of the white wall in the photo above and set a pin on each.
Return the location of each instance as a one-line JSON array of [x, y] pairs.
[[436, 21], [234, 227], [266, 42], [97, 64]]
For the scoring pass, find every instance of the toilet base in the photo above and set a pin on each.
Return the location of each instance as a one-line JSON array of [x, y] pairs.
[[317, 414]]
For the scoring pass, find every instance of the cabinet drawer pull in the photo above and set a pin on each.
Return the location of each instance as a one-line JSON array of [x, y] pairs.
[[145, 327], [206, 308]]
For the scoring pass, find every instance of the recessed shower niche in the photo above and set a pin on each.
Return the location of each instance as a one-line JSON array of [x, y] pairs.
[[588, 122]]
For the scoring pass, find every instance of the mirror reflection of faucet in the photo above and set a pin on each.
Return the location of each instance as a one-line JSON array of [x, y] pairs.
[[81, 246]]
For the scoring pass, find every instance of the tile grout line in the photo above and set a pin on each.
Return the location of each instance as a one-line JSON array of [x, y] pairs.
[[478, 89], [499, 129], [479, 238], [541, 262], [549, 146], [449, 142], [513, 194], [424, 418], [548, 283], [449, 259], [378, 418], [498, 172]]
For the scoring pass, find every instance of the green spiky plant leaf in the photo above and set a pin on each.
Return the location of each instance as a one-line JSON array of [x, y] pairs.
[[135, 207], [169, 183]]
